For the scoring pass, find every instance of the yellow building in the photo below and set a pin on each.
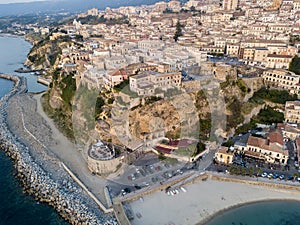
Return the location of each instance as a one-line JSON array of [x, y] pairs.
[[224, 156]]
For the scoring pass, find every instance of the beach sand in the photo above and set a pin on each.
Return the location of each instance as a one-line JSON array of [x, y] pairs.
[[202, 200]]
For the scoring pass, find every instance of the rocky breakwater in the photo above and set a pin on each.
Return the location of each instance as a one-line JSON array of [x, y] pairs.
[[64, 195]]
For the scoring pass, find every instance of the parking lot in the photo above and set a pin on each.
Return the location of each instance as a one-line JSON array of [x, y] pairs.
[[145, 172]]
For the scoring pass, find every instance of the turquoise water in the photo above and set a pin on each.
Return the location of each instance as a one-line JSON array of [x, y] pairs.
[[261, 213], [17, 208]]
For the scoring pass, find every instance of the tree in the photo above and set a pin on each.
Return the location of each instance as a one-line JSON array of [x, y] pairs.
[[178, 32], [258, 171], [295, 175], [295, 65]]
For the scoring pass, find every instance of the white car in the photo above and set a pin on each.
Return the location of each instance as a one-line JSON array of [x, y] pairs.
[[264, 174], [183, 189]]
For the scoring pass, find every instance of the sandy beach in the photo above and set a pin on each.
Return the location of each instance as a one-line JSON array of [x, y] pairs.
[[202, 200]]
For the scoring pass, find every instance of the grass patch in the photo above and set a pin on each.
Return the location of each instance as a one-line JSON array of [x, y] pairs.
[[171, 161]]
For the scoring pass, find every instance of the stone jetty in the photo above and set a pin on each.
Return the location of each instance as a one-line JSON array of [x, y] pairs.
[[54, 186]]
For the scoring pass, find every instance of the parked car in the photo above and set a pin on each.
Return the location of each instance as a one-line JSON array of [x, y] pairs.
[[281, 177], [264, 174]]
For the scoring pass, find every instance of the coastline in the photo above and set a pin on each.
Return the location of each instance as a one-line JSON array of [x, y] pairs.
[[225, 210], [203, 201], [69, 200]]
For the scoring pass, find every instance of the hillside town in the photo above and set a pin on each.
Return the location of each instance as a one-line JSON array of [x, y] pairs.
[[205, 86]]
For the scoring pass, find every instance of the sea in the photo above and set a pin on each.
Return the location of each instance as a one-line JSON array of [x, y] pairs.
[[277, 212], [18, 208]]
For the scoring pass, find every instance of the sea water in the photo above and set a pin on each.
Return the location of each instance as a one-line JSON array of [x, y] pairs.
[[261, 213], [16, 207]]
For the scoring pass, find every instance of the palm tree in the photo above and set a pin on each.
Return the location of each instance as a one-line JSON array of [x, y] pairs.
[[295, 175], [258, 171], [251, 171]]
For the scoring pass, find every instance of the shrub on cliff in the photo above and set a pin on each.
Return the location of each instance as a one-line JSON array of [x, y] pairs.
[[295, 65]]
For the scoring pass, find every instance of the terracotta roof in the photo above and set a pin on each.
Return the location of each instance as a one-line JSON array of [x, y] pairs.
[[258, 142], [225, 150], [120, 72], [276, 137], [274, 144]]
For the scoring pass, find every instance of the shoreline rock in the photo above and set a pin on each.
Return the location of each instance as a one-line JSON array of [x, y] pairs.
[[66, 196]]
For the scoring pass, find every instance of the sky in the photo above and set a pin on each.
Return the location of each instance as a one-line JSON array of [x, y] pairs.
[[18, 1]]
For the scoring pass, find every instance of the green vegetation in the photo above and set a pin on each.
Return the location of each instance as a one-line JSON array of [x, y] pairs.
[[162, 157], [205, 128], [229, 143], [110, 100], [120, 101], [151, 99], [98, 107], [56, 75], [272, 95], [199, 148], [121, 86], [268, 116], [191, 150], [87, 100], [294, 39], [94, 20], [62, 119], [229, 82], [68, 87], [248, 106], [178, 32], [239, 170], [171, 161], [236, 116], [243, 87], [295, 65]]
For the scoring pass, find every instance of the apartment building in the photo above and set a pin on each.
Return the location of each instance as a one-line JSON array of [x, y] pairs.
[[147, 82], [115, 77], [292, 112], [278, 61], [271, 149], [230, 4], [281, 78], [224, 156]]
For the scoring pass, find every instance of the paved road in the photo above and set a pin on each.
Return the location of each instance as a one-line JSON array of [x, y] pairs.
[[72, 157]]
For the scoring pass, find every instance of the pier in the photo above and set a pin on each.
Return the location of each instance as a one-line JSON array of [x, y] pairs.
[[43, 80]]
